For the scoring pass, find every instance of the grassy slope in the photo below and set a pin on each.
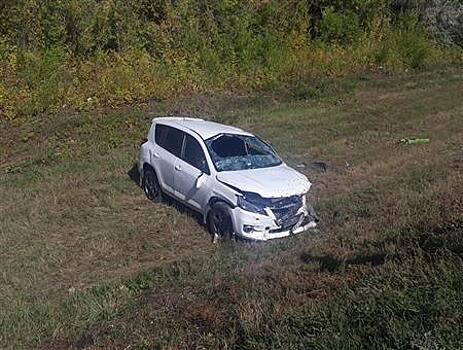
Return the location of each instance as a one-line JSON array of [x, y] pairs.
[[383, 270]]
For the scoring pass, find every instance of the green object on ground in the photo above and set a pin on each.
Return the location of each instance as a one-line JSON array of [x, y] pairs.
[[413, 141]]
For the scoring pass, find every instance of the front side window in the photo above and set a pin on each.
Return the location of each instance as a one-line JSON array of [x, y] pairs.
[[169, 138], [238, 152], [193, 154]]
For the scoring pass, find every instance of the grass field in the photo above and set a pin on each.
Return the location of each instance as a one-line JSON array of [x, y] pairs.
[[87, 261]]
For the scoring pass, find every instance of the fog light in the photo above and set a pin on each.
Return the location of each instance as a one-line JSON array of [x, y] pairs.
[[248, 228]]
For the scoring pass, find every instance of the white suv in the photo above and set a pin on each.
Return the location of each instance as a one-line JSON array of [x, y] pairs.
[[234, 179]]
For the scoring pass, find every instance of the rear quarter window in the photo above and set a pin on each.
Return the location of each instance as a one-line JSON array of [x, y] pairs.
[[169, 138], [160, 134]]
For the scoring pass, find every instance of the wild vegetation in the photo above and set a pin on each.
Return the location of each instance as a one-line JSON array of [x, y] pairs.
[[84, 54], [87, 261]]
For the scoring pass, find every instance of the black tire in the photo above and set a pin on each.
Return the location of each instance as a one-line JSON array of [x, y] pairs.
[[219, 221], [150, 185]]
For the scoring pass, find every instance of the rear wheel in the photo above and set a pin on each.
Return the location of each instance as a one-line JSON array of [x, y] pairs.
[[219, 221], [151, 185]]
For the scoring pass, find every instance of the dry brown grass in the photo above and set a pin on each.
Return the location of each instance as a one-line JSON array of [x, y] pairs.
[[78, 221]]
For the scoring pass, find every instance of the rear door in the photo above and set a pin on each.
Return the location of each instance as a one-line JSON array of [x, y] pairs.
[[168, 150], [188, 169]]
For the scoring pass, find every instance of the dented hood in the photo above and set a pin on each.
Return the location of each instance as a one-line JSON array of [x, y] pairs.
[[274, 182]]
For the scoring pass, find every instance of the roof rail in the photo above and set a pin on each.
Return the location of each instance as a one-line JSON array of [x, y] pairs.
[[176, 117]]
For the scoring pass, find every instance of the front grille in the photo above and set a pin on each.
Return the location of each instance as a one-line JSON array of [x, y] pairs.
[[287, 225], [285, 208]]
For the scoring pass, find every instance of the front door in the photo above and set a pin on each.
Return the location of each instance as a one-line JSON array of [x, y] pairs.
[[188, 169]]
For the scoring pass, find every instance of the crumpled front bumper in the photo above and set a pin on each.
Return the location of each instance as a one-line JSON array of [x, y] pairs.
[[265, 227]]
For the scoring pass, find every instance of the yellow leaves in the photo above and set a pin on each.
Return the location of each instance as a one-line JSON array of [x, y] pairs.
[[7, 109]]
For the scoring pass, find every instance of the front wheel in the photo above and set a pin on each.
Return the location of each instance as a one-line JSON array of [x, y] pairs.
[[151, 185], [219, 222]]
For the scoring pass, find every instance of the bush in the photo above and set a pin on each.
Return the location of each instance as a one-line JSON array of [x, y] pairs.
[[336, 27], [444, 20], [91, 52], [407, 45], [42, 73]]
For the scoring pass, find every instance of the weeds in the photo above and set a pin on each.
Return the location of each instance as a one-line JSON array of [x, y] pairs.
[[90, 55], [87, 261]]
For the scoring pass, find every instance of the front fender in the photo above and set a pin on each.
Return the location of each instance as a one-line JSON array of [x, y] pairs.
[[222, 194]]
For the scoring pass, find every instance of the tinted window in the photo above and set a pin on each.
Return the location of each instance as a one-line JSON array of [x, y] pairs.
[[160, 134], [169, 138], [194, 155]]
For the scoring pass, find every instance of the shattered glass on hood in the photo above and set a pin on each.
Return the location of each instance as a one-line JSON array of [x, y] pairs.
[[238, 152]]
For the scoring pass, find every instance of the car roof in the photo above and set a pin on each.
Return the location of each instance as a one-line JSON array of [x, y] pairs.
[[204, 128]]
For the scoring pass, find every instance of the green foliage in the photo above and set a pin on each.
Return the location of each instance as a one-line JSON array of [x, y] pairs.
[[114, 51], [406, 45], [42, 74], [336, 27], [358, 15]]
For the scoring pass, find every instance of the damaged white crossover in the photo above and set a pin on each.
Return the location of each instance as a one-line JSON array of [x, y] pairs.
[[234, 179]]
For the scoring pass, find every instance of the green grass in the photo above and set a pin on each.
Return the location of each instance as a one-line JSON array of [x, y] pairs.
[[87, 260]]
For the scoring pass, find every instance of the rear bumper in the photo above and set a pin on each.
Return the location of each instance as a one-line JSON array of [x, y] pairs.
[[265, 227]]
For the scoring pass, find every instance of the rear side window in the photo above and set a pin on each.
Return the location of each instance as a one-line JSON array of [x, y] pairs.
[[169, 138], [193, 154], [160, 134]]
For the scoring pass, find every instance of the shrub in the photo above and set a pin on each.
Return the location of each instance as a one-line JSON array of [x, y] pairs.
[[407, 45], [90, 52], [335, 27]]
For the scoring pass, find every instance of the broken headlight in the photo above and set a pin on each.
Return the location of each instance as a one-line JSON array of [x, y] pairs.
[[252, 202]]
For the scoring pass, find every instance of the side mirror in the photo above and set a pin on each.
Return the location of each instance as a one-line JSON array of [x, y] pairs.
[[200, 180]]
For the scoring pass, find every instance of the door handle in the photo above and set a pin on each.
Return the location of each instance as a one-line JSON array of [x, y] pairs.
[[156, 155], [178, 167]]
